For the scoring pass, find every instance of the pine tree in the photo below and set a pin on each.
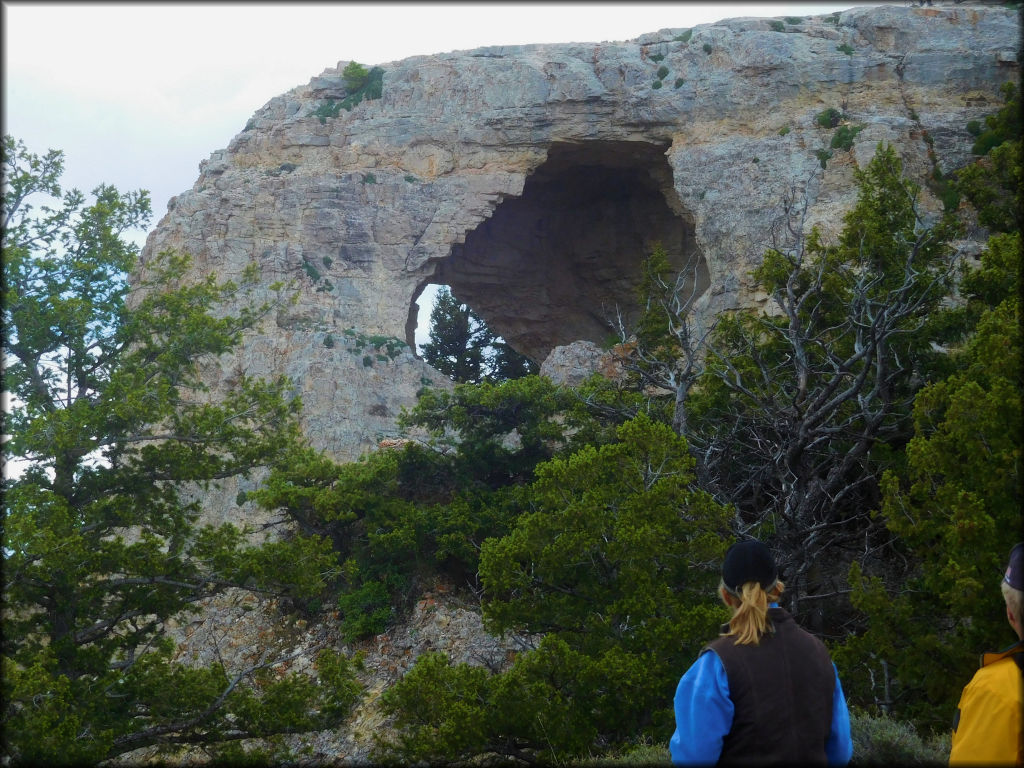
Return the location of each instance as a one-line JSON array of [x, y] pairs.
[[465, 350], [101, 543]]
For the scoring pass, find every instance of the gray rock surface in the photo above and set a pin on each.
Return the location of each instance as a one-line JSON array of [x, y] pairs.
[[533, 179]]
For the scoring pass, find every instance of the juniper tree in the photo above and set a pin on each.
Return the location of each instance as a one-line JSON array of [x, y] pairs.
[[109, 439]]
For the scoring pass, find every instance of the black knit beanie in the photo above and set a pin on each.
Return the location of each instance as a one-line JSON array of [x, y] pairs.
[[748, 560]]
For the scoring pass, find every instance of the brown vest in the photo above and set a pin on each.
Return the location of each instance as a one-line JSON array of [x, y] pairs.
[[782, 693]]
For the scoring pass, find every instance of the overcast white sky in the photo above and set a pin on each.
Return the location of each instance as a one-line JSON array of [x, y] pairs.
[[137, 94]]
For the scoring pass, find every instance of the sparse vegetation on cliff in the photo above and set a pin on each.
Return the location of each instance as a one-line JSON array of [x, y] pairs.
[[844, 136], [360, 84]]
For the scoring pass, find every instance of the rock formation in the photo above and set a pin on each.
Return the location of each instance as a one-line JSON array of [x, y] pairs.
[[533, 179]]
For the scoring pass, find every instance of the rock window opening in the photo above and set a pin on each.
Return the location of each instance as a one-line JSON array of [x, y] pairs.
[[558, 263], [456, 341]]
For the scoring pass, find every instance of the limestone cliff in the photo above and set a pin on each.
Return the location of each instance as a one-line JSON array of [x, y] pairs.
[[533, 180]]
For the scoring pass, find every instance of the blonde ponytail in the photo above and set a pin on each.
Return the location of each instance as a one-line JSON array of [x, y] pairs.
[[749, 620]]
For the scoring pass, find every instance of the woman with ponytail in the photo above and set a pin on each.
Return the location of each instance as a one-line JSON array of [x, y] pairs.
[[766, 690]]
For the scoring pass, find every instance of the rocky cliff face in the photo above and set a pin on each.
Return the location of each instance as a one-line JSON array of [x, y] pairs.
[[534, 179]]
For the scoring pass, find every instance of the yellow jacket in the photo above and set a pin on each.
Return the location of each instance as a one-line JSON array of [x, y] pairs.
[[989, 723]]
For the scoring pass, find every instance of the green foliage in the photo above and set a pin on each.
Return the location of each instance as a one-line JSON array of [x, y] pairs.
[[365, 611], [993, 183], [794, 20], [457, 339], [823, 155], [101, 544], [645, 752], [776, 25], [1002, 126], [614, 561], [784, 130], [630, 531], [828, 118], [390, 346], [684, 37], [845, 48], [707, 47], [954, 504], [884, 741], [844, 136], [815, 394], [656, 84], [311, 272], [498, 431], [679, 82], [329, 108], [464, 349], [355, 76], [397, 516], [370, 90], [662, 72], [656, 57], [369, 178], [958, 494], [360, 83], [946, 189], [441, 710]]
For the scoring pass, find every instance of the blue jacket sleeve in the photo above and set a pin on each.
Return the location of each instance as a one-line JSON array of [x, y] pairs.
[[839, 747], [704, 712]]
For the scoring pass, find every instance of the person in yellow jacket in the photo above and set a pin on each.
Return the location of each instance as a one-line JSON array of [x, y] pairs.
[[988, 728]]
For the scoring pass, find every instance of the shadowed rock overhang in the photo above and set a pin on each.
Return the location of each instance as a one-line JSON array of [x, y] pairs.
[[563, 261]]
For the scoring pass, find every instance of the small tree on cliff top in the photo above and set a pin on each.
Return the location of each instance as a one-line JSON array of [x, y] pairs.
[[100, 543]]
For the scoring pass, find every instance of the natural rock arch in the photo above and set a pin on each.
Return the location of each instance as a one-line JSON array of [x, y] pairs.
[[560, 262]]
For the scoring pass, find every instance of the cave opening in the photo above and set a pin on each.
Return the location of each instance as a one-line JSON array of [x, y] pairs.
[[562, 261]]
